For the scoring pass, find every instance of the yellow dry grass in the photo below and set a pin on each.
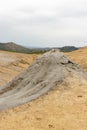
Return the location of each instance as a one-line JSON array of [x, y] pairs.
[[11, 64], [64, 108], [80, 57]]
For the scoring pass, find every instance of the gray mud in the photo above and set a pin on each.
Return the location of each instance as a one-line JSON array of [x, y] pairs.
[[42, 75]]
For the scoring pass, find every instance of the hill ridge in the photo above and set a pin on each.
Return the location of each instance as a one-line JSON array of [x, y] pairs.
[[11, 46]]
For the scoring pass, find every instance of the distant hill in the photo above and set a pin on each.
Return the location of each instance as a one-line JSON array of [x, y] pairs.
[[10, 46], [63, 49], [68, 48], [13, 47]]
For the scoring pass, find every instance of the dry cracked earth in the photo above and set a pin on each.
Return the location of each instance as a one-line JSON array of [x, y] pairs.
[[64, 107]]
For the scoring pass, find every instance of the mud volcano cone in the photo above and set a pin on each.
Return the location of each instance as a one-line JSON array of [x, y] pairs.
[[45, 73]]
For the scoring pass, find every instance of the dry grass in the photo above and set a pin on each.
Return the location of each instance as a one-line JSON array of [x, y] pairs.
[[80, 57], [12, 64], [62, 109]]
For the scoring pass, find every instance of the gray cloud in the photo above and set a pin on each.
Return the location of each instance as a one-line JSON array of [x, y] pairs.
[[44, 23]]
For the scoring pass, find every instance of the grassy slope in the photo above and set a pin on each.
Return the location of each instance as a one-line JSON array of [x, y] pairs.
[[80, 57], [62, 109], [12, 64]]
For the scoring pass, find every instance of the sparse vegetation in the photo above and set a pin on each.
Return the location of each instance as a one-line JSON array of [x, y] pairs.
[[63, 108]]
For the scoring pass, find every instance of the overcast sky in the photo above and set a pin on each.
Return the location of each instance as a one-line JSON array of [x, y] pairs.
[[44, 22]]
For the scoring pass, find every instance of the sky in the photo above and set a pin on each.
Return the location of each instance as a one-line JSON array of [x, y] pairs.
[[44, 23]]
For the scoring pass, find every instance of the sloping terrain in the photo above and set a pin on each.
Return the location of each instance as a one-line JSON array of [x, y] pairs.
[[48, 70], [11, 46], [11, 64], [68, 48], [62, 108], [79, 56]]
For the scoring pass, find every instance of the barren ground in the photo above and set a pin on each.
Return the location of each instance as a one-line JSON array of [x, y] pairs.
[[11, 64], [64, 108]]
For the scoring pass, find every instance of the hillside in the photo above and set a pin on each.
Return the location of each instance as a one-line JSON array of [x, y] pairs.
[[11, 64], [68, 48], [62, 108], [13, 47], [38, 79], [62, 49], [10, 46], [79, 56]]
